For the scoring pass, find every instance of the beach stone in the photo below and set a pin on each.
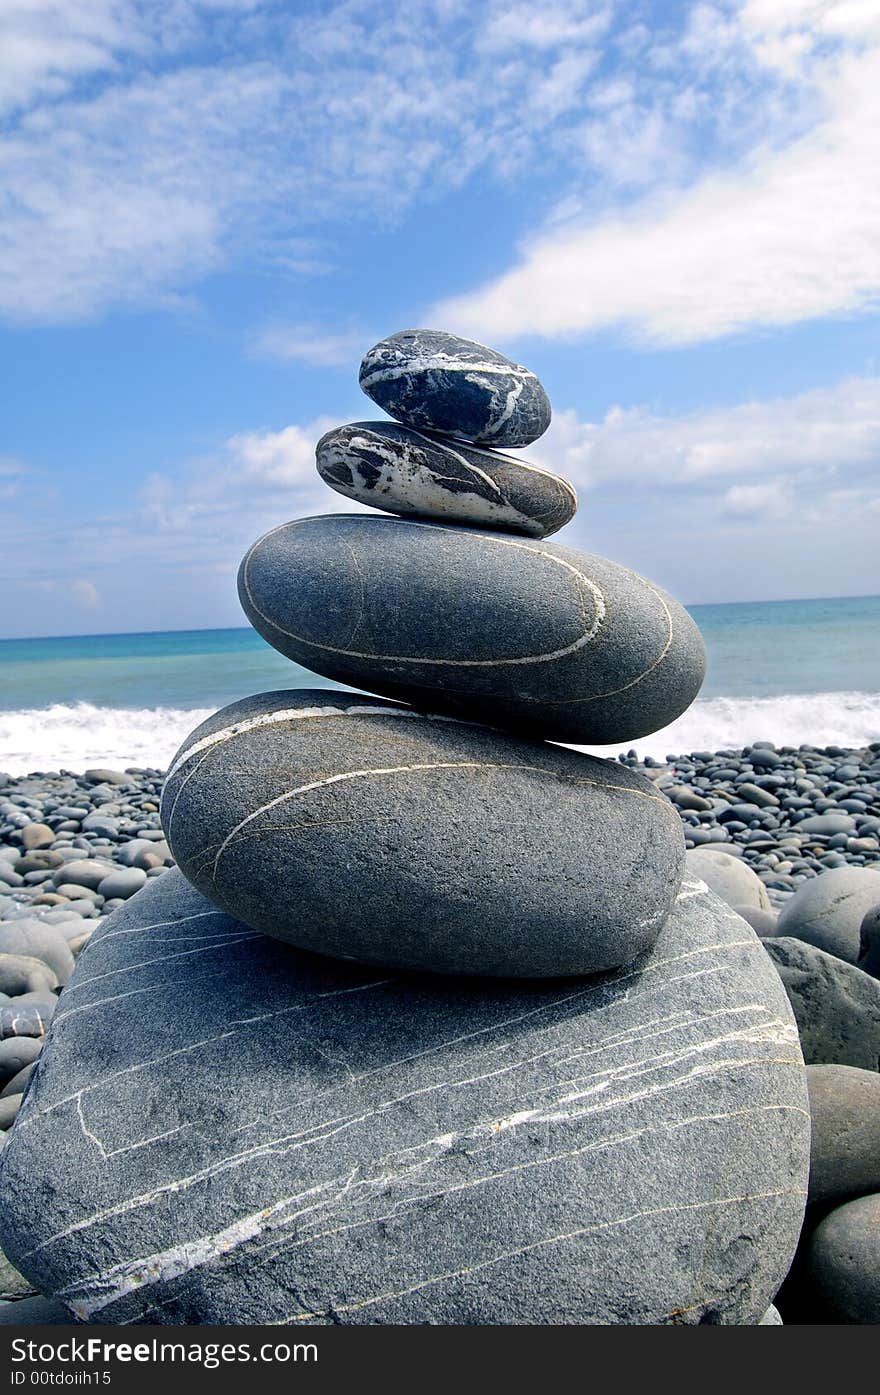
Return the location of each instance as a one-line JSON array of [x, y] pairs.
[[37, 941], [762, 922], [403, 471], [373, 832], [18, 1019], [517, 632], [771, 1318], [828, 911], [827, 824], [122, 883], [103, 825], [22, 973], [837, 1006], [15, 1054], [845, 1146], [19, 1082], [12, 1284], [349, 1147], [763, 757], [44, 1002], [756, 795], [37, 835], [101, 776], [729, 877], [83, 872], [9, 1107], [434, 381], [843, 1263], [686, 798], [869, 943]]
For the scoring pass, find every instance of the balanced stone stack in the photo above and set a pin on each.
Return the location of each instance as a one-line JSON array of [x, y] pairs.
[[509, 1067]]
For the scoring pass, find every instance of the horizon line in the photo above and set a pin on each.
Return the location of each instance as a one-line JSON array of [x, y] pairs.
[[222, 629]]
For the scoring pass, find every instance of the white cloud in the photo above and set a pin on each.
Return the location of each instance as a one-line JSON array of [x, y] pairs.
[[305, 343], [762, 499], [746, 500], [86, 593], [791, 234], [285, 457], [153, 142], [813, 436]]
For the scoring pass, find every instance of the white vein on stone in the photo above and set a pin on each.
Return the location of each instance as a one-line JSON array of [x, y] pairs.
[[532, 546]]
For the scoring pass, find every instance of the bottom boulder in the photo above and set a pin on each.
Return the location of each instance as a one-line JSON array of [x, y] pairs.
[[251, 1133]]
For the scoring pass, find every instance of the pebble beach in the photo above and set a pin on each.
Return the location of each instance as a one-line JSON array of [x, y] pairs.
[[367, 986], [788, 813]]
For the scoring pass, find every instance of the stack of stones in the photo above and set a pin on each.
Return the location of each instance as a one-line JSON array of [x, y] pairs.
[[509, 1067]]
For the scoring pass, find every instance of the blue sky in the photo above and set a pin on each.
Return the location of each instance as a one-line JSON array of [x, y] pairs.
[[211, 209]]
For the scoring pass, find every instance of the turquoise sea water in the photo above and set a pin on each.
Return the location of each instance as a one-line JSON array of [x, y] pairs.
[[776, 669]]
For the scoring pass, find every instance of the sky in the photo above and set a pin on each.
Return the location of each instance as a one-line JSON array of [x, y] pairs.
[[211, 209]]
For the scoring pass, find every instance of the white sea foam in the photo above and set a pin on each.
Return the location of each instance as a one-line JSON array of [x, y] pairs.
[[717, 724], [80, 735]]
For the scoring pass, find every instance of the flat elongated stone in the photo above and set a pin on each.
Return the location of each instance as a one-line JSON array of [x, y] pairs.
[[403, 471], [435, 381], [377, 833], [282, 1138], [512, 631]]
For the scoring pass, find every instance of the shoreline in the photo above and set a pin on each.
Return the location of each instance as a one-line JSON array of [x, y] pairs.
[[790, 813]]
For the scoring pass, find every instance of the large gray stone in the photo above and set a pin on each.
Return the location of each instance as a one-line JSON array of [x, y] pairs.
[[373, 832], [435, 381], [511, 630], [403, 471], [276, 1137], [845, 1147], [828, 910], [843, 1263], [837, 1006], [38, 941], [728, 877]]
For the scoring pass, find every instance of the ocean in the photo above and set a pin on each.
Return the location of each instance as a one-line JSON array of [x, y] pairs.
[[781, 671]]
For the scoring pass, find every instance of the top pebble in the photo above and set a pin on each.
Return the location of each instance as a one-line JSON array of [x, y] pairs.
[[434, 381]]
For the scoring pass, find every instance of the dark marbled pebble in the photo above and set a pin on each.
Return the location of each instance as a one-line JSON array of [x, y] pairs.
[[435, 381], [512, 631], [845, 1147], [373, 832], [837, 1006], [282, 1138], [403, 471]]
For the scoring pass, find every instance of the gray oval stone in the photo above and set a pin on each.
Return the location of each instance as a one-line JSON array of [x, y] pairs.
[[282, 1138], [29, 937], [403, 471], [512, 631], [374, 832], [828, 910], [843, 1262], [845, 1145], [728, 877], [435, 381]]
